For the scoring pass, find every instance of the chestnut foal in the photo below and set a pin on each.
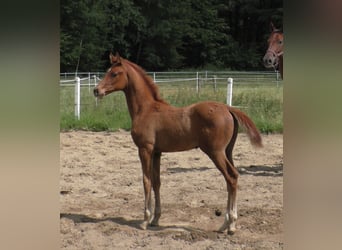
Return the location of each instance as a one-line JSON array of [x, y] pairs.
[[159, 127]]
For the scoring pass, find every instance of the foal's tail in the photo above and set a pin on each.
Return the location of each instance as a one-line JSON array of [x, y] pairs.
[[252, 131]]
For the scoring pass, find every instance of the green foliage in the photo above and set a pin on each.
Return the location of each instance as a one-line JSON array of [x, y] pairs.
[[168, 34], [90, 28]]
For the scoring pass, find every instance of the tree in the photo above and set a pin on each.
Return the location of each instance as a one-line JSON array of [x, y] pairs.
[[168, 34], [248, 22]]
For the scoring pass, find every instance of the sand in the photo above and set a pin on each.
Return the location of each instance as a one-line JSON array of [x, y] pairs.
[[102, 200]]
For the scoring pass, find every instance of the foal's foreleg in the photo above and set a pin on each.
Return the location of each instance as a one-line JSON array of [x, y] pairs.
[[145, 155], [156, 188]]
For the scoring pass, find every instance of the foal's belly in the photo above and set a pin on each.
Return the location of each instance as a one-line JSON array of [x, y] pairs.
[[173, 142]]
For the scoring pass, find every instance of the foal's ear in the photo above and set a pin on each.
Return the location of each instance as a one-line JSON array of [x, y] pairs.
[[114, 59]]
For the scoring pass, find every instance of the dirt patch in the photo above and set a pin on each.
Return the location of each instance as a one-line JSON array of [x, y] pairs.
[[101, 196]]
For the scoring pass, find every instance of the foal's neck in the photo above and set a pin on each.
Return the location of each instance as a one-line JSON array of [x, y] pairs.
[[138, 96]]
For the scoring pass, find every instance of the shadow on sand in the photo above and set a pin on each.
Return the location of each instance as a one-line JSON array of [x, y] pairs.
[[276, 170], [194, 232]]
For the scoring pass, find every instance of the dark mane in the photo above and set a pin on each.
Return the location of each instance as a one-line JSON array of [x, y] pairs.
[[148, 80]]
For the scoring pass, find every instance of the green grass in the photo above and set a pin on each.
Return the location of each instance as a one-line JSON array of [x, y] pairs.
[[109, 114], [264, 106], [262, 102]]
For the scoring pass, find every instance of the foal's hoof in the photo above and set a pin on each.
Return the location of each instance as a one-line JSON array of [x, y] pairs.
[[153, 224], [229, 232], [143, 225]]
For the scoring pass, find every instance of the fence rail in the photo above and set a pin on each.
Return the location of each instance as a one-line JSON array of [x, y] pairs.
[[199, 79], [160, 77]]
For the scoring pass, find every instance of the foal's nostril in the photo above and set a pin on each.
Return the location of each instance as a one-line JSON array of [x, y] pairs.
[[96, 92]]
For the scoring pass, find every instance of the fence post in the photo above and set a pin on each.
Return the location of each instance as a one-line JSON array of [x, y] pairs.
[[94, 76], [89, 81], [215, 87], [77, 97], [154, 76], [197, 83], [230, 91], [278, 78]]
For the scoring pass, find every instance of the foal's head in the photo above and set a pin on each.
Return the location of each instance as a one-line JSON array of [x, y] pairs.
[[275, 48], [115, 79]]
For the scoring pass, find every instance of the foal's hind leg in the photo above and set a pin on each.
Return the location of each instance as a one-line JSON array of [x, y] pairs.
[[231, 176], [156, 188], [231, 214]]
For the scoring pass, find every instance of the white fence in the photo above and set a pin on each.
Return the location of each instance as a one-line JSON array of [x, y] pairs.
[[91, 82], [91, 79]]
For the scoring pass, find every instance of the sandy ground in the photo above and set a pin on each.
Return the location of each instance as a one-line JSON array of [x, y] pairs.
[[101, 196]]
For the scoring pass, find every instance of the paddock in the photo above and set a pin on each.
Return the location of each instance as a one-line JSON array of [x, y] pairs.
[[101, 196]]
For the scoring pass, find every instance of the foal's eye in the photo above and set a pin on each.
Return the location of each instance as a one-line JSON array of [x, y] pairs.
[[113, 74], [280, 42]]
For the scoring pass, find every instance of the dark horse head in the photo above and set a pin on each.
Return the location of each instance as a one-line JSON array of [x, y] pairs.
[[274, 54]]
